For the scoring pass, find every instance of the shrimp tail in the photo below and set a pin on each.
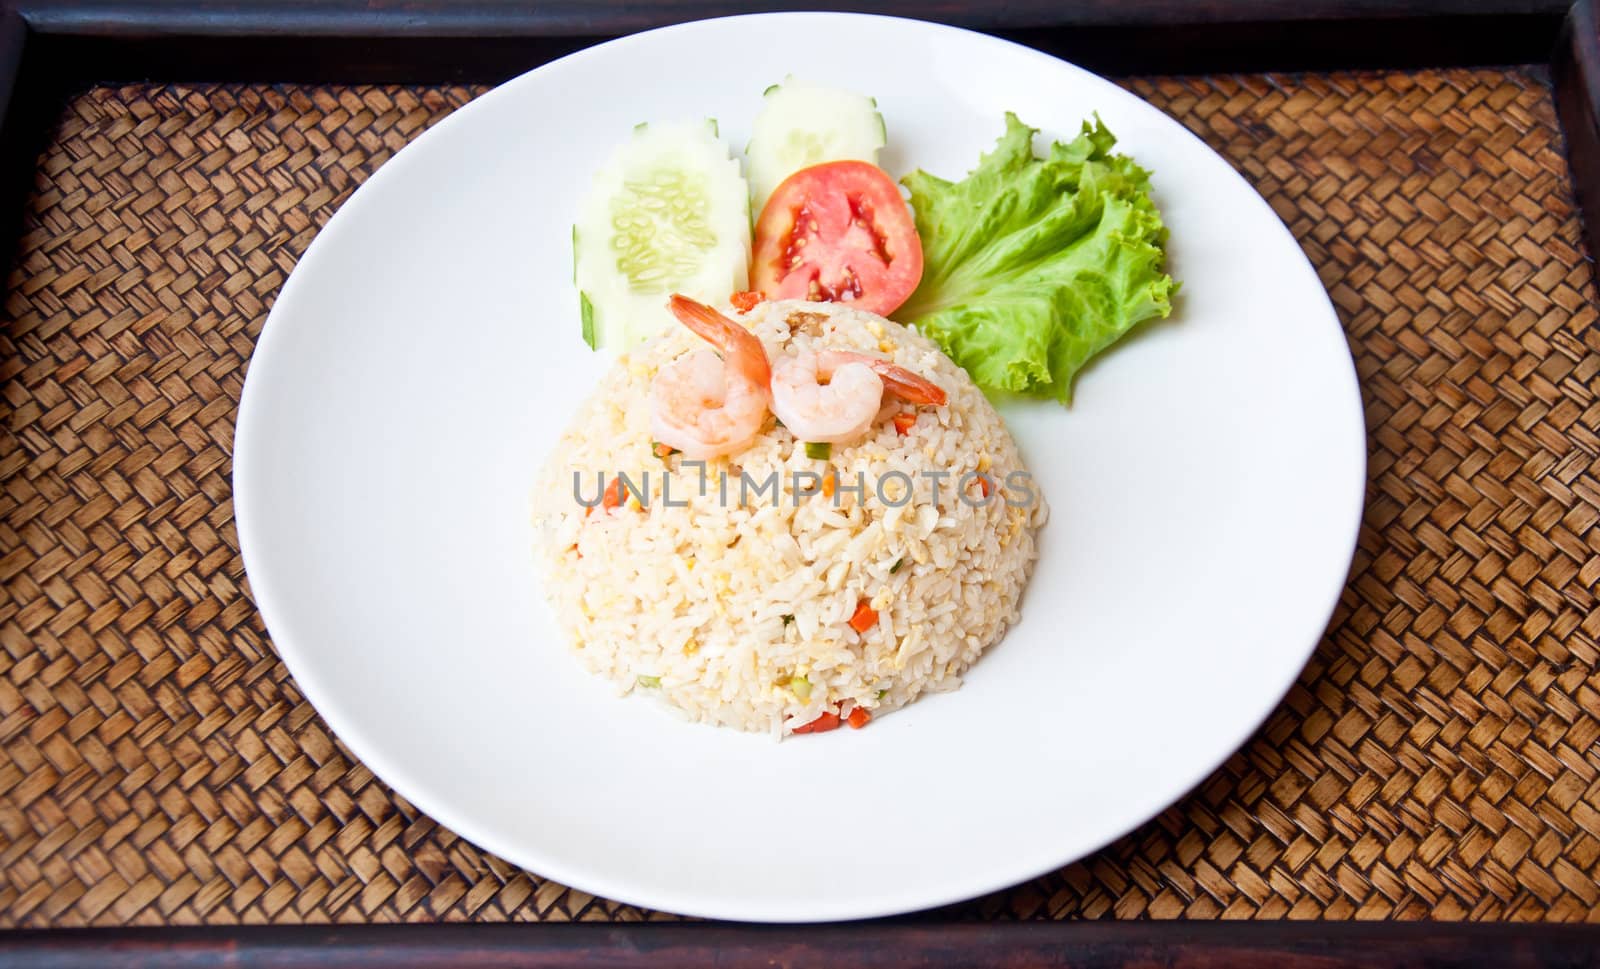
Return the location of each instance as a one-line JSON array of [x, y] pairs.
[[724, 334], [909, 386]]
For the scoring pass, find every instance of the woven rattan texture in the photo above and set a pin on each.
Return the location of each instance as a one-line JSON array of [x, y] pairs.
[[1437, 758]]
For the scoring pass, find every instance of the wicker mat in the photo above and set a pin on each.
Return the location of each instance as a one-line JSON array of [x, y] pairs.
[[1438, 758]]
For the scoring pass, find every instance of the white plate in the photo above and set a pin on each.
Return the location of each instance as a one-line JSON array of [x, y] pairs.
[[1205, 486]]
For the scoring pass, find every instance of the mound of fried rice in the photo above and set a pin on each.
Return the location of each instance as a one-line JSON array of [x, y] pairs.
[[736, 607]]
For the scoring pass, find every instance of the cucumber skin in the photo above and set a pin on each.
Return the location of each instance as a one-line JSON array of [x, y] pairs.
[[586, 308]]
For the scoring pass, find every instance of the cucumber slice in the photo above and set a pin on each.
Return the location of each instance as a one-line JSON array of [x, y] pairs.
[[667, 213], [801, 125]]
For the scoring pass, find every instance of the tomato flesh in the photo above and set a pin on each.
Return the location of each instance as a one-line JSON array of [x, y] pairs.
[[840, 232]]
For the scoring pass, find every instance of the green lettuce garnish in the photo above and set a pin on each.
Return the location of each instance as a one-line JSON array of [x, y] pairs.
[[1032, 266]]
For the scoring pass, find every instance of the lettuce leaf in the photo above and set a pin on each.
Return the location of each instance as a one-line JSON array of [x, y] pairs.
[[1032, 266]]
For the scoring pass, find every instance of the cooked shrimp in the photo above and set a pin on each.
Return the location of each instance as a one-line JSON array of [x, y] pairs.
[[825, 401], [908, 386], [707, 406], [833, 396]]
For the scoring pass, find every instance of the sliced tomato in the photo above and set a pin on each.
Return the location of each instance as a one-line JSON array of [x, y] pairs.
[[840, 232]]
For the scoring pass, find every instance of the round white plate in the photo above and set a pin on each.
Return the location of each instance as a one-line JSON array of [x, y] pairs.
[[1205, 488]]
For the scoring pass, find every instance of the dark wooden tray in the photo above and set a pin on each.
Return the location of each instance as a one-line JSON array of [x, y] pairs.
[[1436, 765]]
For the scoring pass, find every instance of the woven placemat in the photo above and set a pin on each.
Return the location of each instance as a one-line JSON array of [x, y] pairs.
[[1437, 758]]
